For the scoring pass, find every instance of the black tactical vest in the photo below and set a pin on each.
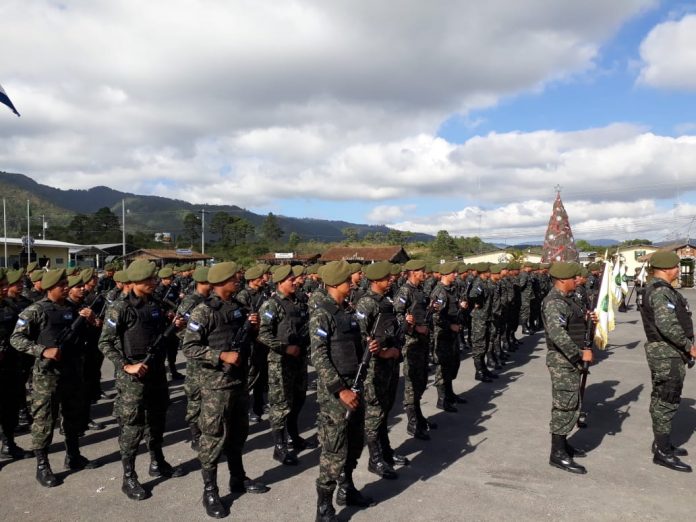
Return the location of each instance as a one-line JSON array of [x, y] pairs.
[[8, 319], [226, 322], [59, 317], [144, 320], [681, 309], [345, 346], [419, 304], [575, 324], [292, 324], [385, 329]]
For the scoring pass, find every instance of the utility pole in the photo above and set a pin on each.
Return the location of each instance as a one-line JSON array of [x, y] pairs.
[[4, 224], [43, 226], [123, 231], [28, 235], [202, 231]]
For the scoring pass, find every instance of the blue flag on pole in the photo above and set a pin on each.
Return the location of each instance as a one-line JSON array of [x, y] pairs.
[[4, 98]]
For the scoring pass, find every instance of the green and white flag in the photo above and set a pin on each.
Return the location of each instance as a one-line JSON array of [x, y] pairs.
[[605, 307]]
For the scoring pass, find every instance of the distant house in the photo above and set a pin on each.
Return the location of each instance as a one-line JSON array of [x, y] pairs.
[[499, 256], [291, 258], [633, 256], [687, 252], [55, 254], [393, 254], [163, 256]]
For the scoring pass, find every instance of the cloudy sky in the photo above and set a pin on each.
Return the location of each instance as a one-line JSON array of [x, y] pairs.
[[420, 115]]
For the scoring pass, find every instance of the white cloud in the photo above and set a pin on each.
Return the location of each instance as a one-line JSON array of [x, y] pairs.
[[669, 55], [389, 213]]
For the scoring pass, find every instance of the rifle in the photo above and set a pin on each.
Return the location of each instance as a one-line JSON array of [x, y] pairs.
[[237, 344], [359, 381], [155, 347]]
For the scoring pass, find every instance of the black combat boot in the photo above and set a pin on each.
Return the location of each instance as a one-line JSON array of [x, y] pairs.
[[131, 487], [211, 495], [11, 450], [74, 460], [425, 424], [413, 427], [195, 436], [480, 375], [281, 453], [679, 452], [451, 396], [348, 495], [390, 456], [239, 482], [376, 464], [664, 456], [442, 402], [160, 467], [44, 475], [559, 456], [295, 442], [574, 452], [325, 509]]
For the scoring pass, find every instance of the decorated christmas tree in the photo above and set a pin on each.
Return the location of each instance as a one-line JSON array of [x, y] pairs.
[[559, 244]]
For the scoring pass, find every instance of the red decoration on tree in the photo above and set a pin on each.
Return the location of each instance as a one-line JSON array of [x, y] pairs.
[[559, 244]]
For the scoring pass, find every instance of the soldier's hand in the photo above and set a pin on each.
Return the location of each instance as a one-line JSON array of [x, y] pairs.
[[422, 329], [230, 358], [373, 346], [253, 319], [594, 317], [88, 314], [138, 369], [410, 319], [349, 398], [463, 304], [693, 351], [587, 356], [455, 328], [51, 353], [389, 353], [293, 350], [179, 323]]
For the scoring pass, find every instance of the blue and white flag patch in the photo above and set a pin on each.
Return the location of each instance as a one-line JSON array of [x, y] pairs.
[[21, 322], [321, 333], [111, 323], [193, 326]]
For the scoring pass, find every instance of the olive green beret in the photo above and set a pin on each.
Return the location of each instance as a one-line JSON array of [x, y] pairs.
[[36, 275], [87, 274], [75, 280], [200, 274], [320, 270], [32, 266], [482, 267], [395, 268], [355, 267], [14, 275], [222, 272], [51, 278], [446, 268], [255, 272], [335, 273], [377, 271], [313, 269], [664, 259], [109, 266], [562, 270], [583, 272], [266, 267], [527, 264], [121, 277], [298, 270], [496, 268], [414, 264], [141, 269], [165, 273], [513, 265], [281, 273]]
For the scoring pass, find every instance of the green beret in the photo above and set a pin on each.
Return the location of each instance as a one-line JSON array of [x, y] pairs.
[[222, 272], [121, 277], [355, 268], [513, 265], [32, 266], [583, 272], [87, 274], [414, 264], [496, 268], [51, 278], [527, 264], [255, 272], [446, 268], [313, 269], [281, 273], [664, 259], [298, 270], [109, 266], [75, 280], [395, 268], [141, 269], [200, 274], [165, 273], [14, 275], [482, 267], [562, 270], [36, 275], [266, 268], [377, 271], [335, 273]]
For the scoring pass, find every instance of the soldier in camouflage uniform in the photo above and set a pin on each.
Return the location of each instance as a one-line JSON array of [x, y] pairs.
[[192, 383], [218, 335], [670, 345], [495, 352], [57, 379], [526, 295], [480, 301], [107, 282], [169, 293], [515, 305], [132, 325], [34, 291], [336, 350], [564, 323], [414, 315], [446, 305], [283, 331], [375, 315]]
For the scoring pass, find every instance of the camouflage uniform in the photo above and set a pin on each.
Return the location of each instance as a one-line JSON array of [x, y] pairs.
[[252, 299], [11, 375], [446, 304], [480, 302], [564, 323], [192, 383], [496, 325], [336, 349]]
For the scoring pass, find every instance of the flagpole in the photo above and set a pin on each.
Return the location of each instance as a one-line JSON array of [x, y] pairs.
[[4, 225], [28, 235]]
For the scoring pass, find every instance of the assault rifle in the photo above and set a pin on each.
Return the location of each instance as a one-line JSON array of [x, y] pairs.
[[157, 345], [240, 342], [359, 381]]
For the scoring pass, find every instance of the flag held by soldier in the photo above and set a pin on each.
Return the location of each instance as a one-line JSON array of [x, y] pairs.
[[4, 98]]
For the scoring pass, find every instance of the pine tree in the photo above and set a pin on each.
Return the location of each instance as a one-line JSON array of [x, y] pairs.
[[559, 244]]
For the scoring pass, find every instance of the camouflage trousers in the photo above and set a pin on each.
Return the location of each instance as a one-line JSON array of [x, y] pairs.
[[287, 389], [496, 332], [224, 424], [480, 333], [55, 394], [192, 389], [447, 355], [141, 406], [513, 319], [565, 396], [415, 369], [667, 373], [341, 440], [525, 310], [380, 393], [11, 393]]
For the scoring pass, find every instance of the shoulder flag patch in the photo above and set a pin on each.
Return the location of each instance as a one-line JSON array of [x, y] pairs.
[[360, 314], [268, 314], [21, 322], [111, 323], [193, 326], [321, 333]]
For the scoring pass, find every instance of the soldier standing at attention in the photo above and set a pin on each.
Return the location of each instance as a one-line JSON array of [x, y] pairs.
[[131, 326], [564, 323], [282, 330], [170, 291], [670, 345], [107, 282], [336, 349], [57, 378], [218, 336], [480, 301], [526, 295]]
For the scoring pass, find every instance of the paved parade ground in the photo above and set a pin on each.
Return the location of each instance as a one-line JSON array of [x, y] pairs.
[[489, 461]]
